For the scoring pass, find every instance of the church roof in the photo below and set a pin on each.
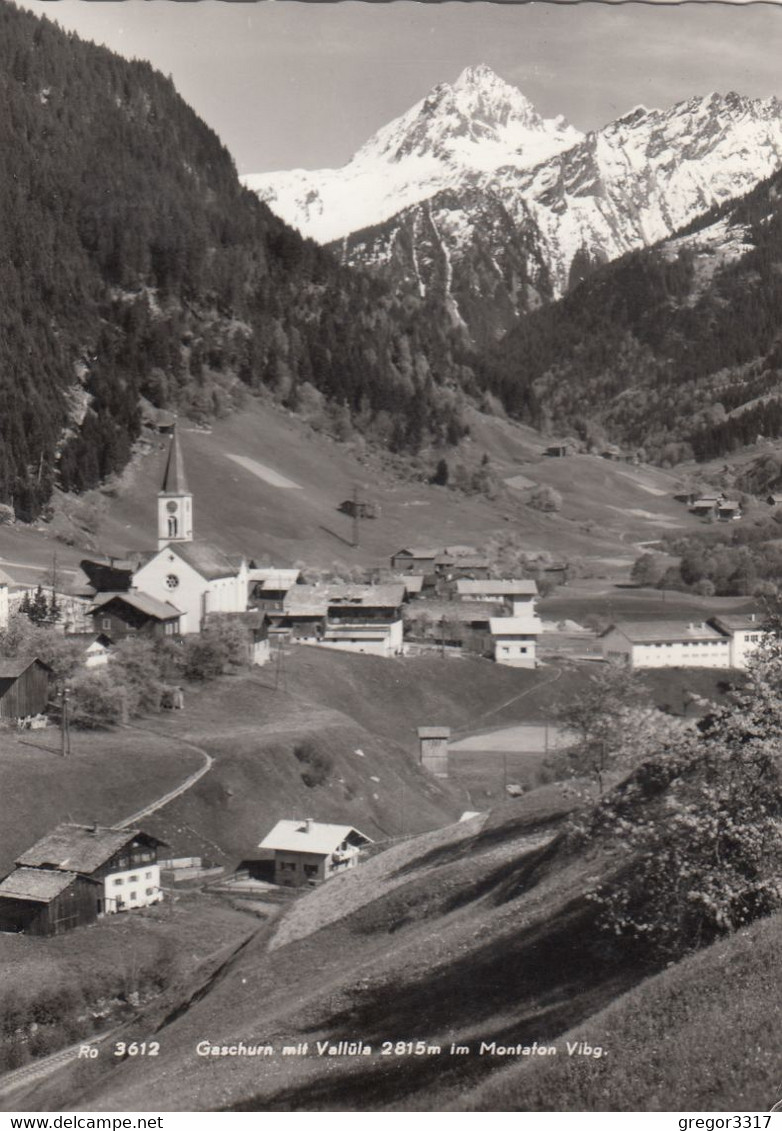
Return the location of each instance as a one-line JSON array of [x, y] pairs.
[[207, 560], [174, 482]]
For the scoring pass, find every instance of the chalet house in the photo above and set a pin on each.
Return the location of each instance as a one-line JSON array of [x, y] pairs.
[[134, 614], [268, 586], [745, 634], [519, 595], [308, 852], [706, 506], [24, 688], [666, 644], [416, 559], [451, 563], [728, 510], [350, 618], [77, 873]]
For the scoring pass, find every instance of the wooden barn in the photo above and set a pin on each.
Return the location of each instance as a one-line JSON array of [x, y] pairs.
[[24, 688], [38, 901], [133, 613]]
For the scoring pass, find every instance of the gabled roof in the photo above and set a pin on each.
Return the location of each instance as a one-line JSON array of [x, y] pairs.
[[311, 836], [316, 600], [174, 482], [12, 669], [500, 588], [272, 577], [515, 626], [150, 606], [736, 623], [205, 559], [664, 631], [39, 885], [80, 848], [417, 552]]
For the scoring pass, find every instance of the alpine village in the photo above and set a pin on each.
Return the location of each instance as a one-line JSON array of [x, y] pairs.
[[390, 625]]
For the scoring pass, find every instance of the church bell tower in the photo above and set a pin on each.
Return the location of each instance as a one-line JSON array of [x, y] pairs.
[[174, 500]]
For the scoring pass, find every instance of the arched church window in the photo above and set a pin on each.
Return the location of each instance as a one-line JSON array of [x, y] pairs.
[[173, 526]]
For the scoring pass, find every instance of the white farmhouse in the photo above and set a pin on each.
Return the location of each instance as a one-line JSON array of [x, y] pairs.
[[666, 644]]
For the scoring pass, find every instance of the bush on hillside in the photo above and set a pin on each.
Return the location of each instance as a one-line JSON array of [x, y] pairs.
[[545, 499], [319, 764], [699, 826], [98, 701]]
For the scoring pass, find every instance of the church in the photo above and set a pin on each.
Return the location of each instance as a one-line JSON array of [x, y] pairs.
[[184, 574]]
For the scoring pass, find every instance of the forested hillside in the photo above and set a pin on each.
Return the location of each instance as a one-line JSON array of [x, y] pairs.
[[674, 349], [132, 263]]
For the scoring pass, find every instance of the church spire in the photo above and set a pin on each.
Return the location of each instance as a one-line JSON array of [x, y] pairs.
[[174, 482], [174, 500]]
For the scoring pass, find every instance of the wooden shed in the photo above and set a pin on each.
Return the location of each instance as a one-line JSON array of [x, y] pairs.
[[24, 688], [38, 901]]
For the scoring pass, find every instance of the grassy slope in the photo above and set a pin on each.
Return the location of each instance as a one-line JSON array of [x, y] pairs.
[[702, 1036], [107, 778], [473, 932], [476, 932], [607, 506]]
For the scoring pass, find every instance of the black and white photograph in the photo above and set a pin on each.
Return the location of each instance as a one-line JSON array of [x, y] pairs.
[[390, 559]]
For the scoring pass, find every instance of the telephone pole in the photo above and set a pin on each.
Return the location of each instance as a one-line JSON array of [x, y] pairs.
[[65, 728], [356, 534]]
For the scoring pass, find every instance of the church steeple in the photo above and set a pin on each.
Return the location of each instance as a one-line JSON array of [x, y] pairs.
[[174, 500]]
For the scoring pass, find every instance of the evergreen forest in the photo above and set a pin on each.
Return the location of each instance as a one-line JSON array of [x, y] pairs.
[[134, 265]]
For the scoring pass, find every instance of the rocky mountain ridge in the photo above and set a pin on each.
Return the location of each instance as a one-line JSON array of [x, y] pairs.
[[498, 210]]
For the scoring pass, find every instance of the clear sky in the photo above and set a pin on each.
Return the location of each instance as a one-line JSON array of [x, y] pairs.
[[289, 84]]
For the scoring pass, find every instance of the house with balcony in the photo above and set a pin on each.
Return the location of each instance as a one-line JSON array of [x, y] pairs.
[[76, 874], [308, 852]]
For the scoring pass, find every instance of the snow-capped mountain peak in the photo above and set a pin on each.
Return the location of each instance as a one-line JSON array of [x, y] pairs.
[[477, 122], [458, 132], [473, 192]]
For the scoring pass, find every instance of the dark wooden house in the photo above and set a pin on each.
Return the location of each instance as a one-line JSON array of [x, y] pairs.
[[133, 614], [24, 688], [39, 901]]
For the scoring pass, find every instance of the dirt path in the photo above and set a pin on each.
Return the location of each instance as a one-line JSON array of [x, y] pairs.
[[44, 1066], [471, 728], [188, 783]]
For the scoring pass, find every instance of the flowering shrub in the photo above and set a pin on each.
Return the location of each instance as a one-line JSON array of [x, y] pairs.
[[698, 827]]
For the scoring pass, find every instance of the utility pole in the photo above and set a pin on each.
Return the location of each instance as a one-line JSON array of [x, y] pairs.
[[356, 535], [65, 729], [280, 676]]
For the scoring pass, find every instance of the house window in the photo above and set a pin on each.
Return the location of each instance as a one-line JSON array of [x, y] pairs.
[[118, 883], [105, 622], [287, 866], [147, 875], [134, 895], [150, 891], [310, 869]]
